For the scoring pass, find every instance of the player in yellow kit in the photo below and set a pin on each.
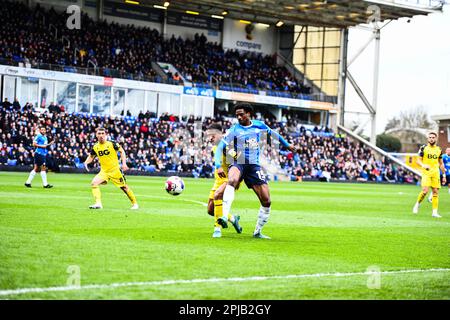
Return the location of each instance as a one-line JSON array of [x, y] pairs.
[[214, 132], [106, 151], [430, 160]]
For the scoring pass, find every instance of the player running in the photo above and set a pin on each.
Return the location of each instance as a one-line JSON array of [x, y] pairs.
[[214, 132], [106, 151], [41, 144], [430, 159], [244, 138]]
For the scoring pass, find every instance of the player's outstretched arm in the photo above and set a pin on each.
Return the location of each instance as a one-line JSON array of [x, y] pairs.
[[86, 163], [283, 141], [123, 159]]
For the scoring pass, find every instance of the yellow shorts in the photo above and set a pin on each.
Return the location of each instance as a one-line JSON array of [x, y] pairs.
[[433, 181], [116, 177], [217, 184]]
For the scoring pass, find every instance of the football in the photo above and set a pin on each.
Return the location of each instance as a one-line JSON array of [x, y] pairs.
[[174, 185]]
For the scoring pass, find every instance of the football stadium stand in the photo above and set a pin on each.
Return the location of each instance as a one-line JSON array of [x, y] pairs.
[[168, 145]]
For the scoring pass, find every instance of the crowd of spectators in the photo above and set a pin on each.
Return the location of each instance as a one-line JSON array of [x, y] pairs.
[[128, 51], [166, 144]]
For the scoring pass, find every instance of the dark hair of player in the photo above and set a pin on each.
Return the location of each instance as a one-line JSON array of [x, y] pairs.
[[433, 133], [247, 107], [100, 129], [215, 126]]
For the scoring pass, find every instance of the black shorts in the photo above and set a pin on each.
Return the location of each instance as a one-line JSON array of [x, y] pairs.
[[39, 159], [252, 174]]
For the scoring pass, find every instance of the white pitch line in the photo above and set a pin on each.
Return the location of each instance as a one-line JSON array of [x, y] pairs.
[[195, 201], [162, 198], [210, 280]]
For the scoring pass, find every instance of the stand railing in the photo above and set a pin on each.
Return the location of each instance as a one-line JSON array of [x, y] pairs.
[[380, 151]]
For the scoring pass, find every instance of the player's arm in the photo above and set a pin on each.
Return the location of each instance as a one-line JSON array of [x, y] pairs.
[[123, 159], [226, 140], [280, 138], [89, 159], [36, 145], [419, 160], [218, 159], [441, 165]]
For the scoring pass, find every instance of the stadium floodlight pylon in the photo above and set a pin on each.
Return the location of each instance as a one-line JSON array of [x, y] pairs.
[[345, 75]]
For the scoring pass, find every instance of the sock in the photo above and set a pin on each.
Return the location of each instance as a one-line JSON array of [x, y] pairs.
[[228, 197], [130, 195], [33, 173], [44, 177], [230, 218], [435, 202], [217, 212], [97, 195], [421, 197], [263, 216]]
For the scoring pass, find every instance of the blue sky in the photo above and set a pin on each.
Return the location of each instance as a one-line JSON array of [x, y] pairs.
[[414, 67]]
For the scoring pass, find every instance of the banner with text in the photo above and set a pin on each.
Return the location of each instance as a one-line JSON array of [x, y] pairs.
[[249, 37], [199, 92], [194, 21], [124, 10]]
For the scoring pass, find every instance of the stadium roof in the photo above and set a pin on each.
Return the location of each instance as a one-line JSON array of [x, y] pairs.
[[441, 117], [331, 13]]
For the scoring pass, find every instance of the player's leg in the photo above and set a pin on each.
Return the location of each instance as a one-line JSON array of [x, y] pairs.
[[435, 186], [430, 197], [44, 177], [130, 194], [448, 182], [217, 207], [210, 207], [234, 176], [426, 184], [31, 175], [218, 210], [263, 193], [120, 181], [435, 202], [95, 184], [219, 219]]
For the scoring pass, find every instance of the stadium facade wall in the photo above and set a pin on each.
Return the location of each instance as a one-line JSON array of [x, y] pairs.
[[443, 131], [109, 96], [103, 96]]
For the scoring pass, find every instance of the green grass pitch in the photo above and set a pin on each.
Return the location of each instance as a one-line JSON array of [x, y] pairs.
[[317, 230]]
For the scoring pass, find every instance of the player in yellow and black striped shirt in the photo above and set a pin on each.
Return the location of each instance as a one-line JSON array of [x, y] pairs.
[[106, 152], [430, 160]]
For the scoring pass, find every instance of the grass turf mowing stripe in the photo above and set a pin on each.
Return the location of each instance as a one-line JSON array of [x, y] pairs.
[[213, 280]]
